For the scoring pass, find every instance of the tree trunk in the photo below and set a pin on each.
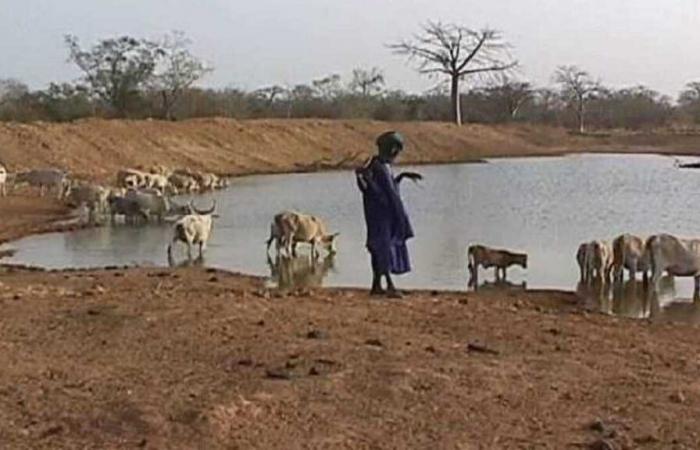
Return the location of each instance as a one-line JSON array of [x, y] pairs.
[[581, 113], [456, 106]]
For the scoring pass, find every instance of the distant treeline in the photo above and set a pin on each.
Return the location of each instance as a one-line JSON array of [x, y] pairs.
[[136, 78]]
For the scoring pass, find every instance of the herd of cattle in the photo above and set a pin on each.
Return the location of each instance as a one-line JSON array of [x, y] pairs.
[[140, 196], [652, 257]]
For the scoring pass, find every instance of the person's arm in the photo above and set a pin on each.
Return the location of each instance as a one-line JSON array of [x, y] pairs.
[[413, 176]]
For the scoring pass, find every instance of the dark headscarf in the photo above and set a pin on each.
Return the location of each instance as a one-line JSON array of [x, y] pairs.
[[388, 141]]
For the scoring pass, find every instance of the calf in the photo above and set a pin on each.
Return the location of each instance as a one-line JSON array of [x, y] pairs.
[[500, 260]]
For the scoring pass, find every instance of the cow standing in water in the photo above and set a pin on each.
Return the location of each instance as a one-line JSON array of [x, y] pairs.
[[388, 226]]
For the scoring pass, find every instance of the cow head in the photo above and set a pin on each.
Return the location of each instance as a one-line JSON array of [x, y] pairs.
[[205, 212], [329, 243]]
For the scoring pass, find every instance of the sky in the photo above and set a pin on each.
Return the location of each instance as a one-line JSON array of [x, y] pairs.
[[257, 43]]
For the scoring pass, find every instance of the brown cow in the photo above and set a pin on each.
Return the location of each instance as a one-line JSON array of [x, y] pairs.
[[629, 253], [500, 260]]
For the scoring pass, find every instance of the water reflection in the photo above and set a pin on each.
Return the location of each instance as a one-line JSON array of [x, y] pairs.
[[635, 299], [499, 285], [300, 271]]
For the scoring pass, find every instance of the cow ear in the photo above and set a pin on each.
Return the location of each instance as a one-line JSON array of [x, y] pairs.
[[335, 235]]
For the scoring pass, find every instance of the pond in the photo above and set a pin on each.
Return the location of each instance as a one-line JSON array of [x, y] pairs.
[[542, 206]]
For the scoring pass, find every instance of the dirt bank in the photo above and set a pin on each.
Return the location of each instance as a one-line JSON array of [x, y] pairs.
[[97, 148], [192, 358]]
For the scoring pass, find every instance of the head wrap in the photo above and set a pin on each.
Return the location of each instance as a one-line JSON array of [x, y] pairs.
[[389, 140]]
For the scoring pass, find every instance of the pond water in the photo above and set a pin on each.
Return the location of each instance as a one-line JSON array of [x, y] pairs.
[[542, 206]]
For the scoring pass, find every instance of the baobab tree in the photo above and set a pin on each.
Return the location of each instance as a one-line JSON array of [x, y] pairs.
[[457, 52], [577, 88]]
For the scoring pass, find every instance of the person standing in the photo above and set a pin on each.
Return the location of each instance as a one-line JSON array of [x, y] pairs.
[[388, 225]]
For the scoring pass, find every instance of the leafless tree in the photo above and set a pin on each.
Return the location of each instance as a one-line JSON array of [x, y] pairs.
[[458, 52], [176, 71], [577, 88], [689, 100], [511, 94], [367, 82]]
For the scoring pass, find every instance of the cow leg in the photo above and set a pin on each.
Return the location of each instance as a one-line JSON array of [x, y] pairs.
[[496, 274], [696, 291], [201, 249], [633, 270], [189, 250]]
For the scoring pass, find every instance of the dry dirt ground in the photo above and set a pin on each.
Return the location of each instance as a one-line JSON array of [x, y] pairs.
[[96, 149], [193, 358]]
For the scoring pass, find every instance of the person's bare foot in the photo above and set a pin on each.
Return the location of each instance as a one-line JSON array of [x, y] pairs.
[[393, 293], [375, 292]]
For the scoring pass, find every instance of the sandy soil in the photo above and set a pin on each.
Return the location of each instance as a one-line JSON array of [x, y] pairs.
[[96, 149], [194, 358]]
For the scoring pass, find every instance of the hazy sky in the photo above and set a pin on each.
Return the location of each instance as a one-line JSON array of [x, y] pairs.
[[253, 43]]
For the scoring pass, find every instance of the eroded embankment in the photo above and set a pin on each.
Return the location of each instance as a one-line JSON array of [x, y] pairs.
[[97, 148]]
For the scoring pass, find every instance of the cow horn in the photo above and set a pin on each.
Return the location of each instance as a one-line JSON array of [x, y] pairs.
[[205, 212]]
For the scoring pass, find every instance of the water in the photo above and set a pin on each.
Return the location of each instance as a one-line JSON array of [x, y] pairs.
[[542, 206]]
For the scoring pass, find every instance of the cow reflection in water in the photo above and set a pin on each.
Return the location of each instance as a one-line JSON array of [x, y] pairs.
[[196, 262], [632, 298], [498, 285], [299, 272]]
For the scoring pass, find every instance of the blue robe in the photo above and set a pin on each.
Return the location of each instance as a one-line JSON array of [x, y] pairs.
[[388, 226]]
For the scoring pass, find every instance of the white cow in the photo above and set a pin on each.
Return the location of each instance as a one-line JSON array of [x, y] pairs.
[[629, 253], [678, 257], [193, 229], [601, 260], [3, 181]]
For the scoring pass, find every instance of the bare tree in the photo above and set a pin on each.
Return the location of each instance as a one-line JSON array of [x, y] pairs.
[[177, 70], [510, 94], [577, 88], [458, 52], [116, 69], [367, 82]]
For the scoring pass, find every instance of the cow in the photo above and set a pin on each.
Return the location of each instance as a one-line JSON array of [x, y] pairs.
[[601, 261], [131, 178], [3, 181], [183, 183], [129, 208], [584, 258], [193, 229], [290, 228], [500, 260], [91, 195], [678, 257], [629, 253], [45, 178], [157, 182]]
